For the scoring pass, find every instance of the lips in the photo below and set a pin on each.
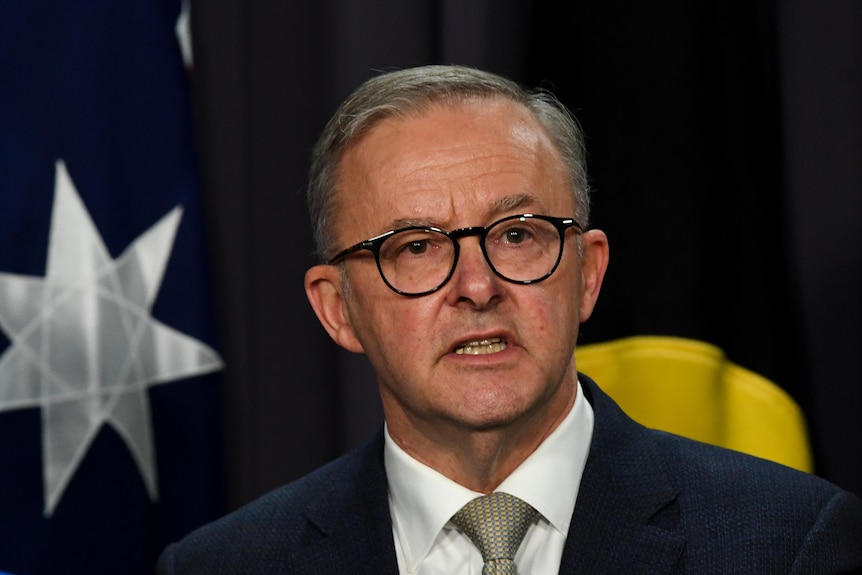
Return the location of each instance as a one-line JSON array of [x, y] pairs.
[[481, 346]]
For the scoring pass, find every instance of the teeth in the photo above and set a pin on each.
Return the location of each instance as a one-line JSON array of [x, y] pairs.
[[481, 346]]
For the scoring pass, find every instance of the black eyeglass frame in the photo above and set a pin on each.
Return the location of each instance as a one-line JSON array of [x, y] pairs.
[[373, 245]]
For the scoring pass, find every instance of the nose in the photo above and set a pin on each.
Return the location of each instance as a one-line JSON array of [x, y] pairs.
[[473, 282]]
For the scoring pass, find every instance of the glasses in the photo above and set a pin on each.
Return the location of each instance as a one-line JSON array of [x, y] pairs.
[[419, 260]]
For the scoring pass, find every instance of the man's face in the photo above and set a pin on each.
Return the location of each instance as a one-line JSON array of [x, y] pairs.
[[455, 167]]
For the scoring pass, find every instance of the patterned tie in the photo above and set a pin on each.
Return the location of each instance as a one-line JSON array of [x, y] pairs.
[[496, 524]]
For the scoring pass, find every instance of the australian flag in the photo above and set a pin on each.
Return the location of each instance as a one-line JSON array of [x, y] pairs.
[[109, 415]]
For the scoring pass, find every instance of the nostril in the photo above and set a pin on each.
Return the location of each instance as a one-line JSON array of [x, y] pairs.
[[475, 283]]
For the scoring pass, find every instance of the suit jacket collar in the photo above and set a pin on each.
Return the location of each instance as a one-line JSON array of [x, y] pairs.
[[626, 515], [625, 518], [353, 518]]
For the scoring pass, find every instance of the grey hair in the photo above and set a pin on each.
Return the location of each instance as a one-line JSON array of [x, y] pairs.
[[412, 91]]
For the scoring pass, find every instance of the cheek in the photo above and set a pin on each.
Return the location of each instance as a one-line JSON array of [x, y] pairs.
[[395, 325], [552, 309], [555, 319]]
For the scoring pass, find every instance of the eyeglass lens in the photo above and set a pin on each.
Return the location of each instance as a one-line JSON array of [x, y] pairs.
[[416, 261]]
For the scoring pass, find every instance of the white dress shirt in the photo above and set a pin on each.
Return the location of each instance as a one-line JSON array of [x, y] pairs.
[[422, 502]]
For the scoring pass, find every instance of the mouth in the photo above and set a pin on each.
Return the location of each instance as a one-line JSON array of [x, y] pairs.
[[482, 346]]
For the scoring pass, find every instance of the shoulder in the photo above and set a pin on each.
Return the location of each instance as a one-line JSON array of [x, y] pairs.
[[725, 503], [738, 479], [264, 532], [698, 467], [753, 504]]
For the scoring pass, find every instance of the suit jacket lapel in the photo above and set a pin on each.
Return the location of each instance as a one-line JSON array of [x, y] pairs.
[[626, 515], [625, 518], [352, 523]]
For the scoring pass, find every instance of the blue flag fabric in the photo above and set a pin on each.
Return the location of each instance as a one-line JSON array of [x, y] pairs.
[[109, 413]]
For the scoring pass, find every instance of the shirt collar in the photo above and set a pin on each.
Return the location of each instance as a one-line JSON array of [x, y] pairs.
[[423, 500]]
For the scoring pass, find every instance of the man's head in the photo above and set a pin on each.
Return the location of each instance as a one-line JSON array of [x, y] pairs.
[[486, 349], [410, 91]]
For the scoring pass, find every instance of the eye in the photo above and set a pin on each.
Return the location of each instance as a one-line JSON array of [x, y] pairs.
[[413, 245], [417, 247], [516, 235]]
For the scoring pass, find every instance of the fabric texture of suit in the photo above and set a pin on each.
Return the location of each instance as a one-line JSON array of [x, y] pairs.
[[649, 502]]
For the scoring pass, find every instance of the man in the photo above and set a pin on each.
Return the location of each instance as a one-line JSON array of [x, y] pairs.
[[467, 300]]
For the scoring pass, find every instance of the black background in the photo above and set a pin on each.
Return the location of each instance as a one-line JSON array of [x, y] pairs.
[[725, 142]]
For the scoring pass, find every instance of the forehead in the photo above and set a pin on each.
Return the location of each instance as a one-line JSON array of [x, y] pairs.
[[448, 159]]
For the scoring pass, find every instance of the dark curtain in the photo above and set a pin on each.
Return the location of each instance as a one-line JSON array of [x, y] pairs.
[[725, 142]]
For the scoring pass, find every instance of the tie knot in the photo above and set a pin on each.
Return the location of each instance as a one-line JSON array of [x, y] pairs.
[[496, 524]]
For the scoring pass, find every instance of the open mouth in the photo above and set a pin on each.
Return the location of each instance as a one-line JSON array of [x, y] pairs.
[[481, 346]]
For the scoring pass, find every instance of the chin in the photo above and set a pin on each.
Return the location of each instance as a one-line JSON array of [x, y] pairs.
[[488, 416]]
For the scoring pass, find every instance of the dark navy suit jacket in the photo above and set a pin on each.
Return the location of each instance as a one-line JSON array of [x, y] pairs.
[[649, 502]]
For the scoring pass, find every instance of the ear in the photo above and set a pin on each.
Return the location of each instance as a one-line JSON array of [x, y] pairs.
[[594, 263], [323, 286]]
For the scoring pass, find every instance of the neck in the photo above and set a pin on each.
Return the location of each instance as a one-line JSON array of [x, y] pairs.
[[480, 459]]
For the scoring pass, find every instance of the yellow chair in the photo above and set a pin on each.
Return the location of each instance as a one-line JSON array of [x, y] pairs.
[[690, 388]]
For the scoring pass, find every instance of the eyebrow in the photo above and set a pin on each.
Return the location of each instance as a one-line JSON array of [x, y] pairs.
[[499, 207], [509, 203]]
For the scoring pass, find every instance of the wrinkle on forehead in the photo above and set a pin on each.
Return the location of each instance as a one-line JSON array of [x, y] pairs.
[[499, 207], [470, 173]]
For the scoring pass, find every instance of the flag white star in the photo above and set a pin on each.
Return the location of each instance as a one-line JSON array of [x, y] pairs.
[[84, 345], [183, 31]]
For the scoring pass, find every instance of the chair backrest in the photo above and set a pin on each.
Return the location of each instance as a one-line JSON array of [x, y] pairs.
[[690, 388]]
